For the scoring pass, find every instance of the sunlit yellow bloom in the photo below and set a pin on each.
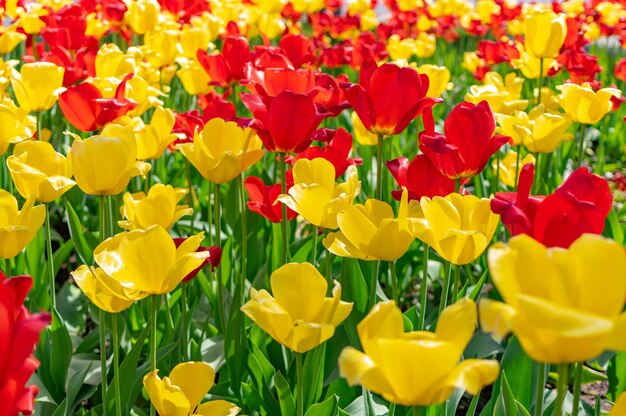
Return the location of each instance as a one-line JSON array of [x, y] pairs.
[[449, 7], [299, 315], [15, 124], [425, 45], [503, 95], [573, 8], [192, 39], [102, 290], [223, 150], [531, 66], [591, 31], [111, 62], [544, 32], [271, 24], [564, 305], [104, 164], [9, 39], [308, 6], [372, 232], [271, 6], [194, 78], [161, 46], [549, 99], [369, 20], [37, 86], [610, 13], [584, 105], [96, 27], [508, 167], [471, 61], [6, 69], [356, 7], [18, 228], [315, 195], [152, 139], [40, 172], [362, 136], [158, 207], [485, 9], [458, 227], [180, 394], [209, 24], [31, 23], [401, 48], [417, 368], [147, 261], [142, 15], [439, 79], [410, 5]]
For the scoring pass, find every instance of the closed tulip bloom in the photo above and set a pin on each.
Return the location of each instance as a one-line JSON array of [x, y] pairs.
[[372, 231], [38, 171], [438, 77], [180, 394], [299, 315], [158, 207], [545, 33], [564, 305], [504, 95], [104, 164], [124, 258], [262, 198], [153, 139], [416, 368], [9, 39], [37, 86], [531, 65], [18, 227], [458, 227], [420, 177], [388, 98], [223, 150], [583, 104], [142, 15], [15, 124], [104, 291], [194, 78], [228, 66], [509, 169], [316, 196]]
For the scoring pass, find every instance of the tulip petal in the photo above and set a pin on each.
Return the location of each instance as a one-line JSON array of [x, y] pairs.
[[307, 336], [457, 323], [300, 289], [217, 408], [495, 317], [359, 369], [472, 375], [195, 379]]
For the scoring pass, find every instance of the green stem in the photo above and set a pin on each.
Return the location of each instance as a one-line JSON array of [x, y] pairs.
[[185, 324], [581, 146], [541, 382], [379, 167], [283, 222], [103, 358], [7, 267], [374, 283], [424, 288], [517, 167], [116, 367], [153, 340], [218, 269], [51, 281], [540, 81], [244, 239], [578, 376], [314, 248], [561, 388], [446, 287], [300, 386], [457, 283], [394, 282], [392, 409], [419, 411], [329, 266]]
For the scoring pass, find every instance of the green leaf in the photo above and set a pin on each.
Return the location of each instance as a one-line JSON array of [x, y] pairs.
[[471, 410], [617, 375], [313, 375], [73, 387], [285, 398], [236, 342], [506, 401], [60, 355], [617, 232], [329, 407], [521, 409], [84, 251], [475, 294]]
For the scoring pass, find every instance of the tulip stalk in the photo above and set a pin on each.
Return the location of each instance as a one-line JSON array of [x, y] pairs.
[[299, 386], [424, 288], [218, 270], [445, 288], [314, 242], [578, 376], [418, 411], [581, 146], [48, 238], [561, 388], [379, 168], [101, 314], [283, 222], [540, 81], [244, 238], [116, 364], [394, 282], [517, 162], [153, 340], [457, 283], [185, 324], [541, 373], [7, 267]]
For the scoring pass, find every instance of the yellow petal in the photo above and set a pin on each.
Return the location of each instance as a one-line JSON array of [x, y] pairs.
[[195, 379], [457, 323], [495, 317], [300, 289], [217, 408]]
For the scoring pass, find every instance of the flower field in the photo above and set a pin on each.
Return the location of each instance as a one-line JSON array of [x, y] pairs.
[[312, 208]]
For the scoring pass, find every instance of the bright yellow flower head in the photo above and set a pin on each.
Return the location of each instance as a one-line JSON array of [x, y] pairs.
[[142, 15], [104, 164], [544, 32], [372, 232], [15, 124], [308, 6], [192, 39], [194, 78], [31, 23], [96, 27], [401, 49], [223, 150], [508, 167], [531, 65], [425, 45], [439, 79], [9, 39], [564, 305], [40, 172], [610, 12], [18, 228], [153, 139], [161, 47], [271, 24], [111, 62], [458, 227], [158, 207], [539, 131], [503, 95], [180, 394], [417, 368], [584, 105], [485, 9], [102, 290], [146, 96], [210, 24], [358, 6], [299, 316], [410, 5], [361, 134], [271, 6], [315, 195], [147, 261], [37, 86]]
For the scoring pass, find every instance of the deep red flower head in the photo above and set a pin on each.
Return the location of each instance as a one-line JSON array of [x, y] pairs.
[[85, 109], [214, 105], [298, 48], [580, 205], [388, 98], [336, 150], [214, 258], [186, 125], [19, 333], [496, 52], [184, 10], [329, 93], [272, 81], [468, 142], [420, 177], [113, 10], [262, 198], [284, 123], [620, 70], [66, 27], [228, 66]]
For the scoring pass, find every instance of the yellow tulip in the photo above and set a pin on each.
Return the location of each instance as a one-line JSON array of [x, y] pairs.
[[102, 290], [358, 6], [503, 95], [439, 79], [425, 45], [153, 139], [307, 6], [144, 94], [538, 130], [31, 23], [531, 65], [37, 86], [509, 169], [18, 227], [271, 24], [223, 150], [158, 207], [194, 78], [192, 39], [361, 134], [6, 69], [40, 172], [15, 124], [142, 15], [147, 261], [416, 368], [372, 232], [104, 164], [161, 47], [369, 21], [544, 32], [315, 195], [458, 227], [299, 316], [9, 39], [111, 62], [400, 49], [564, 305], [584, 105], [180, 394], [471, 61]]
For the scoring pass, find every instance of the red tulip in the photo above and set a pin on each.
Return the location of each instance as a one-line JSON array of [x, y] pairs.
[[388, 98], [284, 123], [19, 333], [329, 93], [580, 205], [468, 142], [272, 81], [298, 49], [420, 178], [227, 67], [85, 109], [262, 198], [214, 105], [620, 70], [214, 258]]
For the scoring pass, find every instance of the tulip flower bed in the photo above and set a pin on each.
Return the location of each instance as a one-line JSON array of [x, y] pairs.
[[312, 207]]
